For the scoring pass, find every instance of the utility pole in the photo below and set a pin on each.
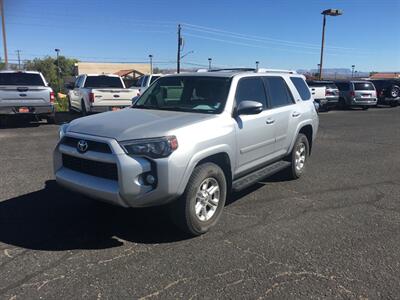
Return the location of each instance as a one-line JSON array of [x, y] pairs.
[[151, 63], [352, 70], [209, 63], [58, 69], [3, 26], [178, 61], [19, 59]]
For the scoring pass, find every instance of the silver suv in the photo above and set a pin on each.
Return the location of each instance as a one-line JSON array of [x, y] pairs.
[[189, 140], [356, 94]]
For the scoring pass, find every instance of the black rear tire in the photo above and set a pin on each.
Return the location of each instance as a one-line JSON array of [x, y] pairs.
[[342, 104], [83, 109], [183, 212], [51, 119], [293, 171], [365, 107]]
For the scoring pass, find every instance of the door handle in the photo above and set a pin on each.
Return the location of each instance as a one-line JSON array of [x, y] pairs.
[[270, 121], [295, 114]]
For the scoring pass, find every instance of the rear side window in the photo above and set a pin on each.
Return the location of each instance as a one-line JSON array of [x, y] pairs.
[[343, 86], [278, 91], [103, 82], [301, 87], [361, 86], [21, 79], [251, 89]]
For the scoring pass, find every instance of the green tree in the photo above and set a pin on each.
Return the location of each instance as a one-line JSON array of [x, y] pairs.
[[48, 67]]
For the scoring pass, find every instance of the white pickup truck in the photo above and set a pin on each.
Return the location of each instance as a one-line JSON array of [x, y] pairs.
[[99, 93], [318, 92], [26, 93], [145, 81]]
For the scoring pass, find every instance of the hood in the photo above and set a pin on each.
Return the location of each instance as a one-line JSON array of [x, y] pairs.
[[129, 123]]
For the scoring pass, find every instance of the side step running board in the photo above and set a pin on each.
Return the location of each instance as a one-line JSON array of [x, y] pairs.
[[256, 176]]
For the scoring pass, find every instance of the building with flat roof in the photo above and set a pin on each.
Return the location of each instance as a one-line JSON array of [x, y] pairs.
[[110, 68]]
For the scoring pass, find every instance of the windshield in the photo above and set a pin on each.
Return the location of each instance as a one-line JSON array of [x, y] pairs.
[[361, 86], [21, 79], [103, 82], [202, 94]]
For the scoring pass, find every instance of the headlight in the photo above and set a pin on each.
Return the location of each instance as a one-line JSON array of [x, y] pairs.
[[62, 130], [154, 148]]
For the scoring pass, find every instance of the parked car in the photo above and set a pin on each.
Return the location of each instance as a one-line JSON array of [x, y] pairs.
[[354, 93], [26, 93], [144, 82], [329, 98], [190, 139], [98, 93], [388, 91], [318, 94]]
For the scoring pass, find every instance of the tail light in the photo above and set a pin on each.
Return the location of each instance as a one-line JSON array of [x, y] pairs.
[[91, 97], [52, 97], [352, 94], [138, 94], [329, 93]]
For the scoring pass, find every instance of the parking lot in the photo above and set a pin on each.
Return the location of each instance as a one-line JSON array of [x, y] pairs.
[[333, 233]]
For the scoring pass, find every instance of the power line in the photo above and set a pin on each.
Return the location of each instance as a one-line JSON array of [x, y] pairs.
[[255, 38]]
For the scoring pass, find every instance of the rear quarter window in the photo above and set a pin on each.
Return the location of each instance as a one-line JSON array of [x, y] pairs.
[[301, 87]]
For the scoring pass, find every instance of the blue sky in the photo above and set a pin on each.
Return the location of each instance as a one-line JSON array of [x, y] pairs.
[[278, 33]]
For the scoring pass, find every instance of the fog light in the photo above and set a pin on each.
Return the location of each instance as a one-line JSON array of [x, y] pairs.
[[150, 179]]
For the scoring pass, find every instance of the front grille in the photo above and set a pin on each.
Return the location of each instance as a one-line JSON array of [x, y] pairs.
[[92, 145], [91, 167]]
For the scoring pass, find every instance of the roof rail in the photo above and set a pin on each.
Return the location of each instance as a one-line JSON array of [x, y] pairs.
[[233, 69], [263, 70]]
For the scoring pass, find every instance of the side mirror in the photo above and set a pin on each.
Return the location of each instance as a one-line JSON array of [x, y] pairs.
[[134, 99], [249, 108], [69, 86]]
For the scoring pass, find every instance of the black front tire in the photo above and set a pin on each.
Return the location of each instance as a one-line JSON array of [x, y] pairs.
[[365, 107], [51, 119], [293, 171], [182, 211], [342, 104]]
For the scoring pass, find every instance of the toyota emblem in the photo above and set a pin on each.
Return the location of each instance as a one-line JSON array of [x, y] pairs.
[[82, 146]]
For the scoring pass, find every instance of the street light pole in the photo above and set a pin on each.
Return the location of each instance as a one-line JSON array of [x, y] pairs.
[[352, 70], [257, 63], [58, 69], [3, 26], [151, 63], [327, 12], [322, 47], [209, 63]]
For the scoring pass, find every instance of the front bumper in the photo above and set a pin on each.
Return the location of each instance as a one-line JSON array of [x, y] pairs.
[[129, 190], [33, 110]]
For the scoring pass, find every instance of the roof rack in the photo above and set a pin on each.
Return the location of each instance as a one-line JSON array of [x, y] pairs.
[[233, 69], [262, 70]]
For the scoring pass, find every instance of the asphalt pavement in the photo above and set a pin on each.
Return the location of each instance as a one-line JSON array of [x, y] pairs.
[[334, 233]]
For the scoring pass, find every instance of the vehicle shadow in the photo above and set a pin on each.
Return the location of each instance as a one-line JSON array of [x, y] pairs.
[[11, 122], [54, 219]]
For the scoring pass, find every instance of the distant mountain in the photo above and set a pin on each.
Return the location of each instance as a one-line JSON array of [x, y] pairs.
[[335, 72]]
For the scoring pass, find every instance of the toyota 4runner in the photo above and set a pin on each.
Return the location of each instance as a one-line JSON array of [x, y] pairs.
[[189, 140]]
